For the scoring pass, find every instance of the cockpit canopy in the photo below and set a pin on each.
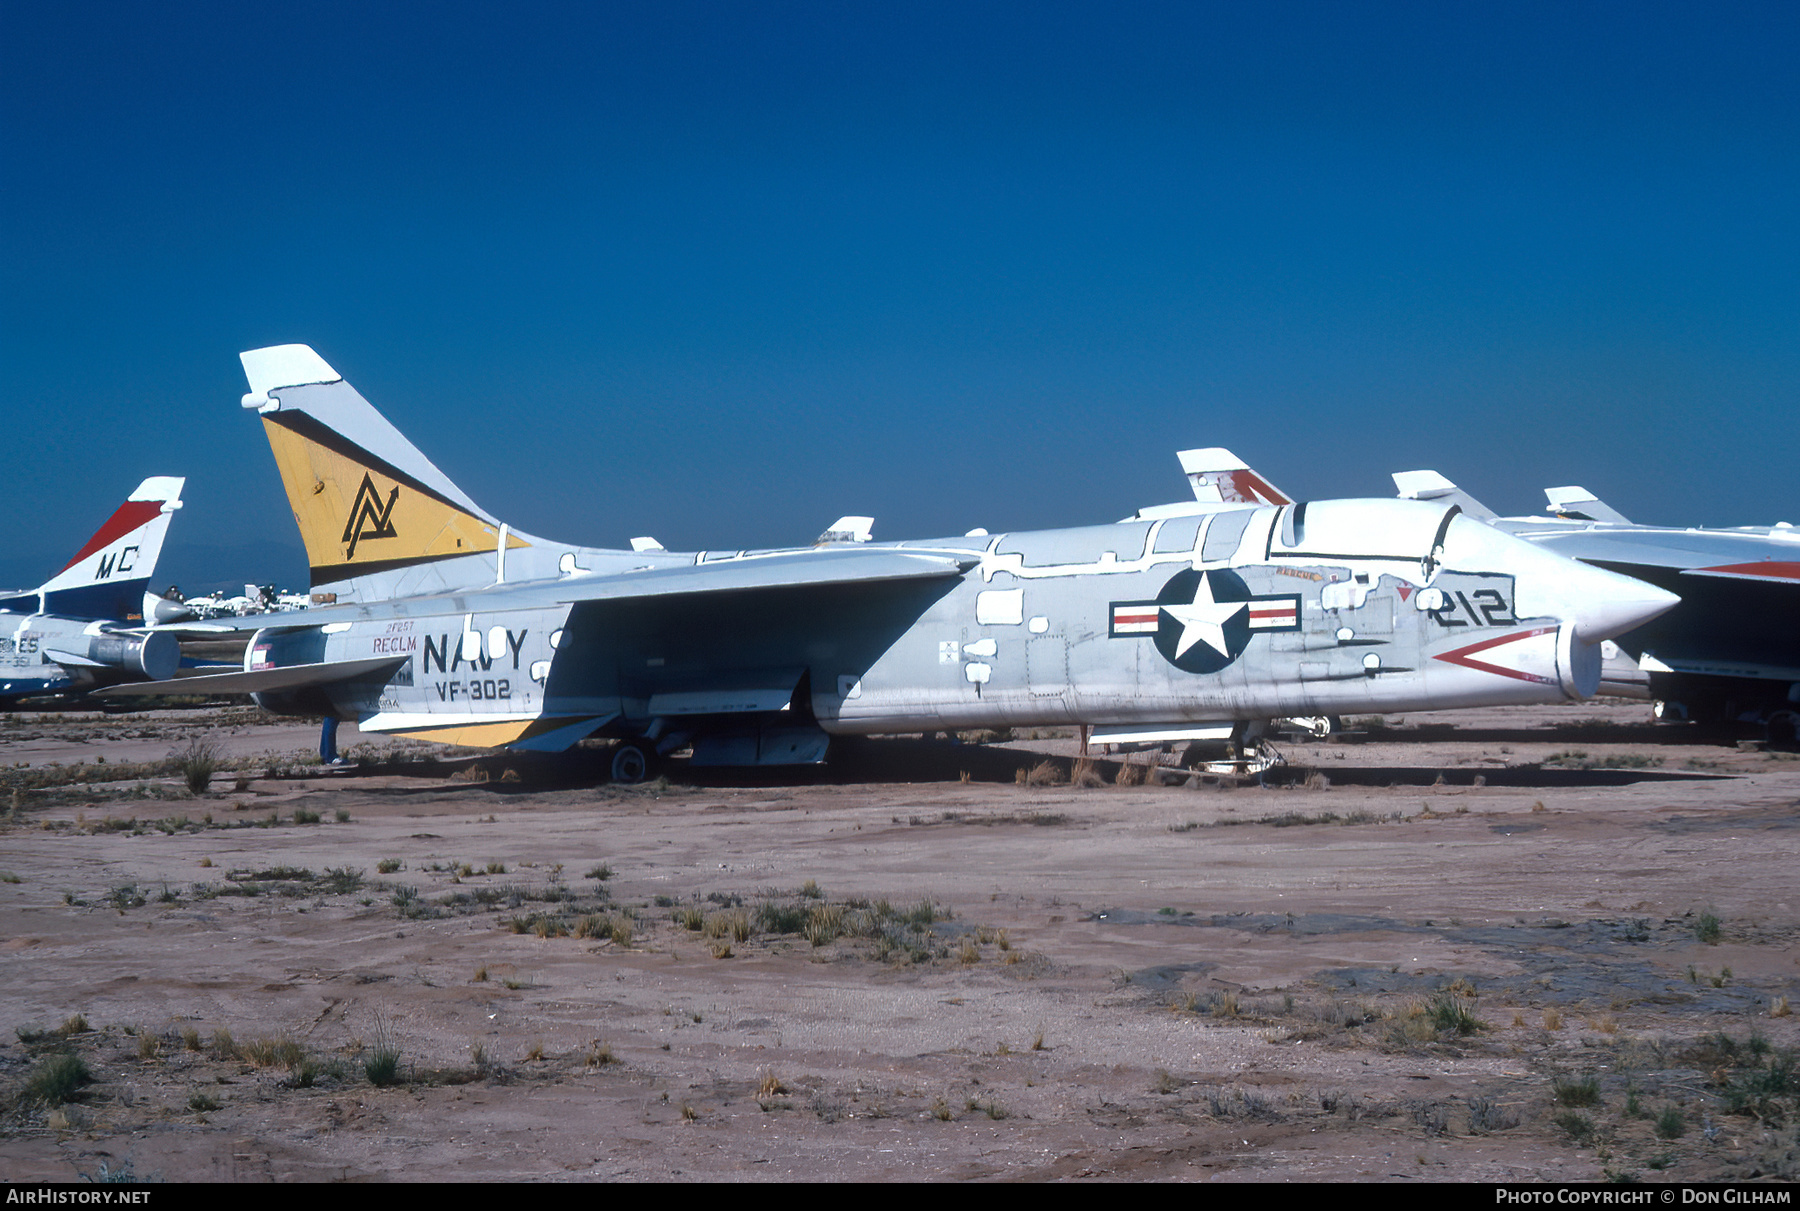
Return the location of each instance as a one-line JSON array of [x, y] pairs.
[[1397, 531]]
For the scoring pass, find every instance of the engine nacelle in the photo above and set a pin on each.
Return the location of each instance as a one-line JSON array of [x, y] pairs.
[[1578, 663], [154, 657]]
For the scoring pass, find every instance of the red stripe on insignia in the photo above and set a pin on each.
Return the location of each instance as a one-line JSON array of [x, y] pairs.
[[130, 515], [1122, 615]]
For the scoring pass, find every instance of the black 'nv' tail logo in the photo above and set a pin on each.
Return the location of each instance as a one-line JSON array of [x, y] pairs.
[[368, 517]]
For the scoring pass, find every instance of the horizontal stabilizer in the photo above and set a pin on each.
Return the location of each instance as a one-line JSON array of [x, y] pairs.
[[257, 681]]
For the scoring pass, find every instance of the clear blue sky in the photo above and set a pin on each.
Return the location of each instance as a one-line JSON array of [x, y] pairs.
[[721, 273]]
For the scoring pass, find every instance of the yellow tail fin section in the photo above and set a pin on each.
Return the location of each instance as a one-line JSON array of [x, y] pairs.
[[359, 515]]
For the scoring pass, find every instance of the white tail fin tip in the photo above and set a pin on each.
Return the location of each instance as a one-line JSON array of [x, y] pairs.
[[166, 488], [1213, 458], [285, 366], [1422, 485]]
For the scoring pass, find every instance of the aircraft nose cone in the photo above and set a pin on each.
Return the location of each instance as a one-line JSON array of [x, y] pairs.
[[1607, 604]]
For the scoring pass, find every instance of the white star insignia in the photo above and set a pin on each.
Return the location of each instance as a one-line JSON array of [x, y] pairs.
[[1204, 620]]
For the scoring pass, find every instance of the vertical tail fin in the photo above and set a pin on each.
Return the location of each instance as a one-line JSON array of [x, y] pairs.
[[108, 575], [378, 518], [1574, 503], [1220, 477], [1429, 485]]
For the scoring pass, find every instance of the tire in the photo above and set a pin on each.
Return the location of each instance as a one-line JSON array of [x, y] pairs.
[[630, 763]]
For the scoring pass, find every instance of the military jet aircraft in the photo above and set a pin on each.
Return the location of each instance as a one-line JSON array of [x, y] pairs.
[[450, 625], [1730, 650], [84, 627]]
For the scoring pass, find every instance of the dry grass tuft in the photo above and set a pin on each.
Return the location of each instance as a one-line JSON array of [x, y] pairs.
[[1130, 773], [1085, 775], [197, 762]]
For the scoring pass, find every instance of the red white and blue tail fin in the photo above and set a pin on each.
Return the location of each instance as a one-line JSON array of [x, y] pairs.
[[108, 576], [1220, 477]]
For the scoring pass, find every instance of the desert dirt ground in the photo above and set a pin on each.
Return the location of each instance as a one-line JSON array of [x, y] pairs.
[[1545, 944]]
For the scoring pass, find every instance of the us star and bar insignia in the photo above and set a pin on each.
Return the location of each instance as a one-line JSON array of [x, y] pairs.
[[1202, 621]]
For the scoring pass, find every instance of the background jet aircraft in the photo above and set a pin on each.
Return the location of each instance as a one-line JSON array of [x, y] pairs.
[[1220, 480], [1731, 649], [83, 627], [452, 626]]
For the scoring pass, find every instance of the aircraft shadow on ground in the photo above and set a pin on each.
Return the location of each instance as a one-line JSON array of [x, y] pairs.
[[898, 759], [1599, 731]]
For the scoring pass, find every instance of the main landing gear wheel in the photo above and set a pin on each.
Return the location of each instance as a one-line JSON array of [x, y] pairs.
[[1250, 757], [630, 763]]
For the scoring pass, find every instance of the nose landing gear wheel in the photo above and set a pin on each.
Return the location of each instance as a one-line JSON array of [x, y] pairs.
[[630, 763]]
